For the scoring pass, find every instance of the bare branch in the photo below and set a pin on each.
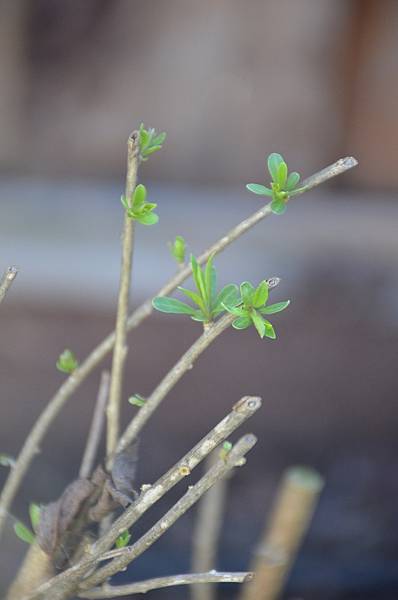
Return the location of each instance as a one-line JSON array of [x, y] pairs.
[[97, 424], [294, 506], [6, 281], [169, 381], [241, 411], [207, 531], [33, 440], [141, 587], [120, 347], [194, 493]]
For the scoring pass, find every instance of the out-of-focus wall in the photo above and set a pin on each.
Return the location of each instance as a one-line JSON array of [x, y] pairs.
[[229, 80]]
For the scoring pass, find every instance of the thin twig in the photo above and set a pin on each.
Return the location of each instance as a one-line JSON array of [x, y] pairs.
[[141, 587], [34, 438], [207, 532], [120, 347], [97, 424], [6, 281], [294, 506], [194, 493], [241, 411], [169, 381]]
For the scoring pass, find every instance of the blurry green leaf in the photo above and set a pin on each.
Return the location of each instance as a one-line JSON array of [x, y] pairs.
[[278, 207], [148, 219], [178, 249], [210, 280], [137, 400], [228, 296], [292, 180], [274, 308], [260, 296], [247, 291], [159, 139], [123, 539], [242, 323], [198, 278], [261, 190], [6, 460], [24, 533], [274, 160], [172, 305], [67, 362], [258, 323], [269, 330], [282, 174], [194, 297], [239, 311], [139, 197], [34, 513]]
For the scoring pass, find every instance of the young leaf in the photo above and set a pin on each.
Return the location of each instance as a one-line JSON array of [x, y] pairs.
[[292, 180], [159, 139], [210, 280], [198, 278], [67, 362], [139, 197], [269, 330], [178, 249], [261, 190], [147, 219], [24, 533], [282, 174], [278, 207], [137, 400], [246, 290], [260, 296], [242, 323], [123, 539], [6, 460], [274, 308], [34, 513], [229, 296], [258, 323], [172, 305], [274, 160], [194, 297], [239, 311]]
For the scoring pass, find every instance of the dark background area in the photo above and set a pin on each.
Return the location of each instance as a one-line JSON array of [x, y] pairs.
[[230, 82]]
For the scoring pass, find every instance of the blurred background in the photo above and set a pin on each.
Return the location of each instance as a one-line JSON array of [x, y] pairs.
[[230, 82]]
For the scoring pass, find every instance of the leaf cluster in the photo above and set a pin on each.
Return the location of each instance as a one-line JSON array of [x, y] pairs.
[[252, 306], [208, 303], [138, 208], [283, 184], [67, 362], [149, 141]]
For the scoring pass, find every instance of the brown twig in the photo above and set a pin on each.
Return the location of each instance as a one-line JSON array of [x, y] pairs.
[[207, 531], [241, 411], [97, 425], [194, 493], [34, 438], [120, 347], [290, 519], [6, 281], [169, 381], [141, 587]]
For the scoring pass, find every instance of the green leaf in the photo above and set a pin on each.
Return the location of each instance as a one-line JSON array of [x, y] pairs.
[[148, 219], [247, 291], [23, 533], [123, 200], [274, 308], [67, 362], [229, 296], [278, 207], [34, 513], [123, 539], [178, 249], [239, 311], [261, 190], [258, 323], [200, 316], [151, 150], [210, 280], [274, 160], [282, 174], [6, 460], [292, 180], [198, 278], [137, 400], [269, 330], [159, 139], [242, 323], [194, 297], [260, 296], [172, 306], [139, 197]]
